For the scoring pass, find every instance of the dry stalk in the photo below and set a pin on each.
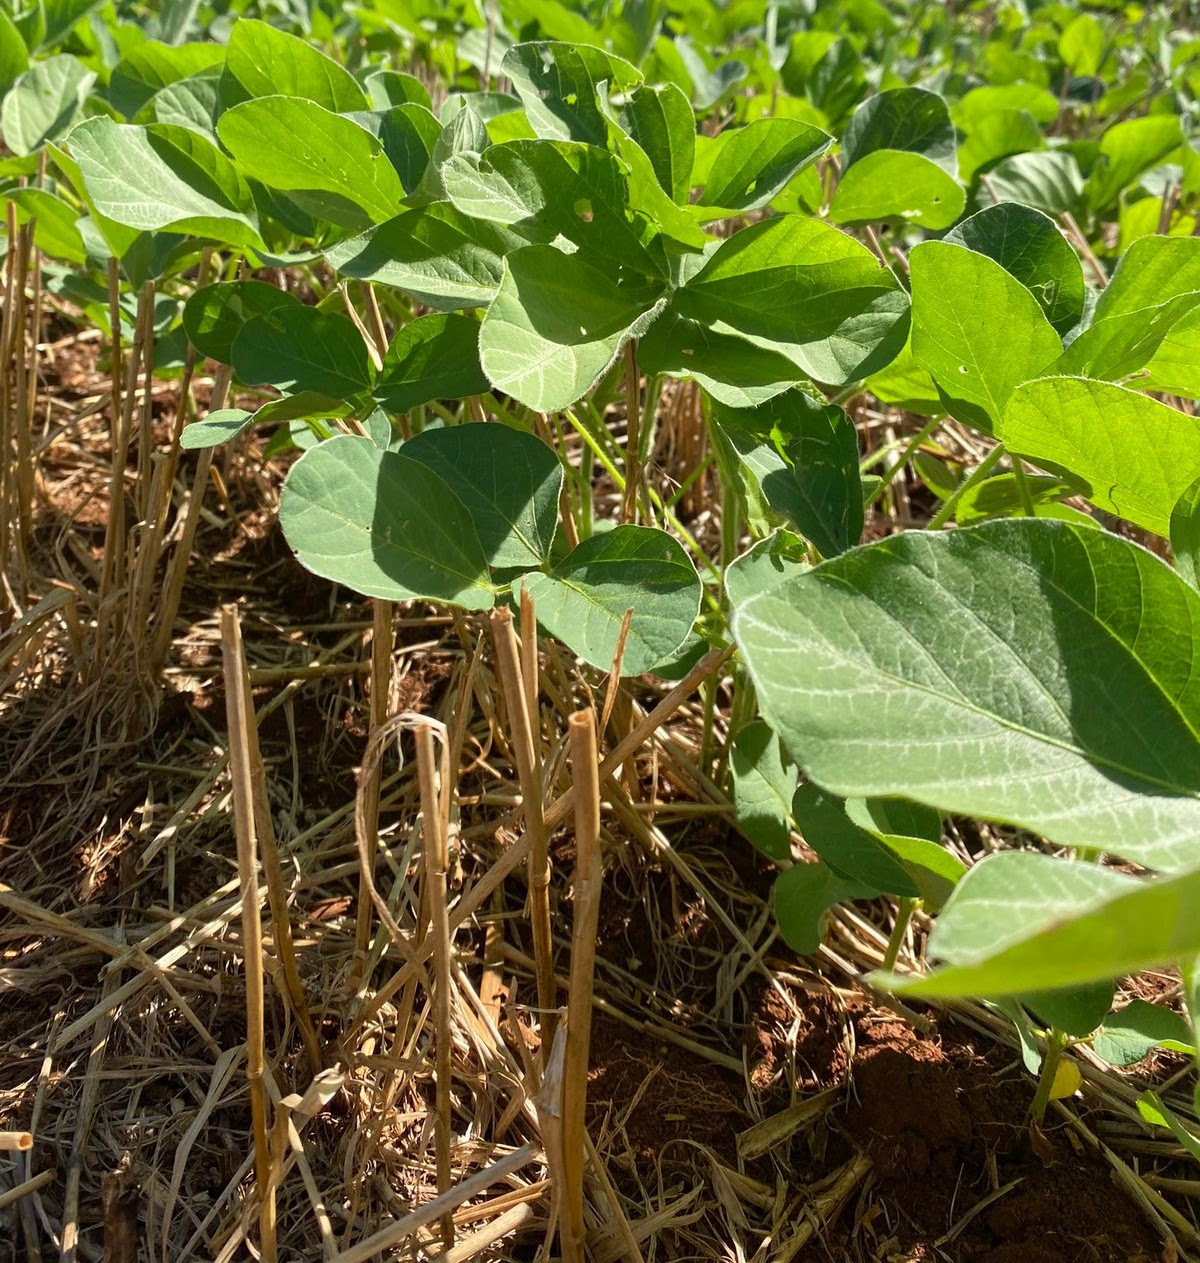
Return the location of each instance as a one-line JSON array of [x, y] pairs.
[[237, 707], [526, 751], [15, 1141], [10, 1196], [549, 1103], [585, 773], [434, 828]]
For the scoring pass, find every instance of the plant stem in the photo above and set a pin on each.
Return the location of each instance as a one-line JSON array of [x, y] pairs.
[[905, 456], [904, 912], [633, 426], [985, 467], [1023, 487], [1056, 1041]]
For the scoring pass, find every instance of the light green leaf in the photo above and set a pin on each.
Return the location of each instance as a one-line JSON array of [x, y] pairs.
[[264, 61], [44, 102], [339, 172], [976, 329], [1048, 181], [801, 897], [150, 66], [432, 357], [214, 315], [909, 119], [997, 136], [981, 102], [764, 780], [851, 852], [382, 524], [386, 88], [1175, 366], [1081, 45], [188, 103], [55, 230], [805, 290], [556, 325], [409, 134], [507, 480], [216, 428], [1001, 496], [1126, 150], [978, 711], [436, 255], [14, 57], [804, 455], [754, 162], [1185, 534], [890, 184], [302, 349], [659, 119], [1029, 246], [584, 599], [465, 133], [1134, 455], [1133, 1032], [1022, 922], [164, 177]]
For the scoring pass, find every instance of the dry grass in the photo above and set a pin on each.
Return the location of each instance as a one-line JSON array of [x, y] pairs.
[[123, 1004]]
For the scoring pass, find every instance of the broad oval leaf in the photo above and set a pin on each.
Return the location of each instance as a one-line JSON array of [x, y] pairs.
[[302, 349], [754, 162], [148, 67], [1134, 455], [1028, 671], [432, 357], [659, 119], [214, 315], [1185, 534], [976, 329], [382, 524], [584, 599], [764, 781], [911, 119], [44, 101], [803, 894], [890, 184], [262, 60], [507, 480]]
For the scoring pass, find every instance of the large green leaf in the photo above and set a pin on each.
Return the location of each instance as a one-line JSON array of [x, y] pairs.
[[508, 481], [409, 134], [755, 162], [976, 329], [14, 57], [659, 118], [997, 136], [383, 524], [1048, 181], [556, 325], [1028, 671], [338, 171], [910, 119], [262, 60], [763, 782], [801, 897], [150, 66], [805, 290], [804, 456], [543, 190], [214, 315], [432, 357], [1022, 922], [302, 349], [559, 84], [1126, 150], [1134, 455], [44, 101], [162, 176], [437, 255], [851, 852], [55, 224], [1029, 246], [891, 184], [584, 599]]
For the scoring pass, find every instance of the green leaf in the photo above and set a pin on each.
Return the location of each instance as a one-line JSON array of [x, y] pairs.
[[508, 481], [188, 103], [465, 133], [339, 172], [556, 325], [44, 102], [164, 177], [851, 852], [995, 137], [1185, 534], [214, 315], [660, 120], [1134, 456], [1152, 1109], [1081, 45], [55, 230], [218, 427], [1077, 1010], [804, 455], [731, 370], [979, 103], [1175, 366], [913, 834], [584, 599], [1131, 1033], [1126, 150], [386, 88], [889, 184], [764, 780], [382, 524], [436, 255], [1031, 249], [263, 61], [560, 84], [433, 357], [14, 57], [1022, 922], [802, 895], [151, 66], [771, 560], [756, 161], [409, 134], [1049, 181], [302, 349], [908, 119], [977, 330], [805, 290], [544, 190], [978, 711], [1001, 496]]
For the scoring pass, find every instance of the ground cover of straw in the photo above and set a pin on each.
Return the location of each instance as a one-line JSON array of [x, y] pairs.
[[744, 1103]]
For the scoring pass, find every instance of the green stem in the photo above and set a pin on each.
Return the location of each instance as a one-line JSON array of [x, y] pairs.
[[1056, 1041], [985, 467], [909, 448], [1023, 487], [904, 913]]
